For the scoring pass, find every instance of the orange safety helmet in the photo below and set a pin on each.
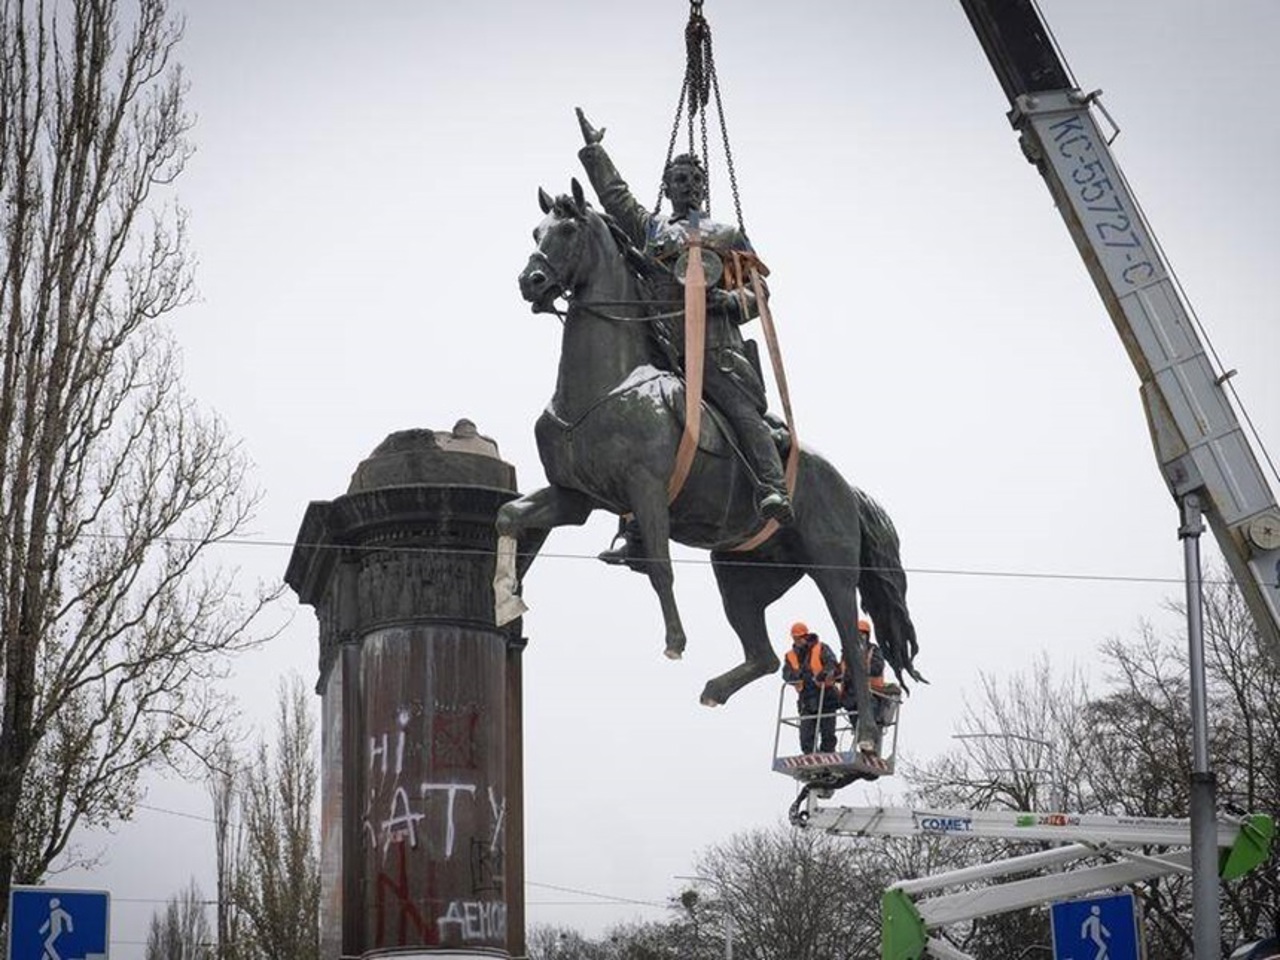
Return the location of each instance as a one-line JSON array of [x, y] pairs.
[[864, 626], [799, 629]]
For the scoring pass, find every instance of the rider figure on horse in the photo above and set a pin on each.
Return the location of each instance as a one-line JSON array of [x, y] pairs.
[[730, 379]]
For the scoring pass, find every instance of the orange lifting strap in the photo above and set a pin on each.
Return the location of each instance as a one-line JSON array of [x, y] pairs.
[[699, 85], [695, 336], [695, 346]]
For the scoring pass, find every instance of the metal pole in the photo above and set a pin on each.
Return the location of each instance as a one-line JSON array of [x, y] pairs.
[[1206, 921], [728, 920], [1053, 761]]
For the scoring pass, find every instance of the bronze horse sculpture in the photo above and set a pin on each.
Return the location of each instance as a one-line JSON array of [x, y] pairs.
[[608, 440]]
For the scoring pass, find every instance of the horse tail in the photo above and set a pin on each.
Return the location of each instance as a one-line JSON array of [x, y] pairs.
[[883, 587]]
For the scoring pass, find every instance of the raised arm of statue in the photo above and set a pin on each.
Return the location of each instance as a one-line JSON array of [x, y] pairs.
[[615, 196]]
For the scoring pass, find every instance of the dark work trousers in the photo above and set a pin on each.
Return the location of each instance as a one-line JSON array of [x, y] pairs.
[[811, 723]]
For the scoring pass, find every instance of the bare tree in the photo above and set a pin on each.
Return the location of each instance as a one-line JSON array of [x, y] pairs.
[[779, 894], [113, 487], [546, 942], [794, 894], [277, 882], [1022, 745], [228, 838], [181, 931]]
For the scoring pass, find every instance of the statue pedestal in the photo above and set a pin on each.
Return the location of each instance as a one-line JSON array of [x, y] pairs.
[[421, 781]]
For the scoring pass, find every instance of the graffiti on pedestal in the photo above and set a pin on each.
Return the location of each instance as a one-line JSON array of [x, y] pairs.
[[405, 909], [434, 828], [476, 920], [453, 739], [487, 862]]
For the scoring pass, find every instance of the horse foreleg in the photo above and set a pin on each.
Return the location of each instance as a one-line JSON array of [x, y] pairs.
[[746, 590], [522, 526], [529, 543], [650, 508], [531, 517]]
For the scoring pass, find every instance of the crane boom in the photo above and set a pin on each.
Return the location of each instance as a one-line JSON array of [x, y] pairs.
[[1198, 440]]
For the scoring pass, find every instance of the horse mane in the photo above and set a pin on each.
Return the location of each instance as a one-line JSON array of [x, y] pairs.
[[648, 272], [565, 207], [651, 275], [644, 268]]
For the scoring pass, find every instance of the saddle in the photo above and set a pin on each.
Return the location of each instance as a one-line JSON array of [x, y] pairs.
[[717, 443], [668, 387]]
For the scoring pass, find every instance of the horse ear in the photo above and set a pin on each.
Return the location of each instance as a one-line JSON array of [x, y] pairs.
[[544, 200], [578, 198]]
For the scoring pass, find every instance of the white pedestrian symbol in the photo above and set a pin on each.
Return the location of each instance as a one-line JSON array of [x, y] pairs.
[[58, 918], [1092, 929]]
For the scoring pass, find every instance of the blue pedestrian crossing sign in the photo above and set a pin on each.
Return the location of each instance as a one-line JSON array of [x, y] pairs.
[[48, 924], [1097, 928]]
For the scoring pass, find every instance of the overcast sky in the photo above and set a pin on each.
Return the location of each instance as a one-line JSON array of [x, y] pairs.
[[361, 202]]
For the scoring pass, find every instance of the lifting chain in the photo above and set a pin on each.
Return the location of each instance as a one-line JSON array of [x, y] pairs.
[[699, 87]]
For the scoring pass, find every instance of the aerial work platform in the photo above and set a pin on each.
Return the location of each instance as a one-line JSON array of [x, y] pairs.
[[826, 771]]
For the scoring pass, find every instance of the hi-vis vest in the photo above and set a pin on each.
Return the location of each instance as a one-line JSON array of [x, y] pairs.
[[875, 682], [815, 667]]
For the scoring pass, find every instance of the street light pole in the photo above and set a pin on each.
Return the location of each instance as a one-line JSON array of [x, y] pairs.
[[1205, 914], [1059, 804], [728, 920]]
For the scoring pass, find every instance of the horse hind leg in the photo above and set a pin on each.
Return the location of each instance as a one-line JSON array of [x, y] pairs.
[[836, 579], [747, 589]]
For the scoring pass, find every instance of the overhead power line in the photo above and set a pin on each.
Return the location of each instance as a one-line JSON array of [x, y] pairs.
[[1172, 580], [591, 893], [601, 899]]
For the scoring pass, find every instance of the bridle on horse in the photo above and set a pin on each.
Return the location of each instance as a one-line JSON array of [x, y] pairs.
[[593, 306]]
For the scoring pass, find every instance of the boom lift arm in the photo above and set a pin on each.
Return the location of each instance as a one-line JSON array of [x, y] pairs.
[[1096, 853], [1200, 446]]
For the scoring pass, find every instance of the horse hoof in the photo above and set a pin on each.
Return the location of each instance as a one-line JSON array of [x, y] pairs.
[[709, 701], [673, 653]]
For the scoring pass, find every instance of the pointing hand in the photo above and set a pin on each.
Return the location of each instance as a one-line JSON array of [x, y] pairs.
[[589, 133]]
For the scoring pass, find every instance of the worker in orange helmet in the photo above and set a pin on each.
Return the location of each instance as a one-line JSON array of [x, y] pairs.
[[874, 663], [813, 670]]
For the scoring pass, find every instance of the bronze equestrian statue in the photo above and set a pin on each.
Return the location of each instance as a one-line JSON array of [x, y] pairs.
[[608, 440]]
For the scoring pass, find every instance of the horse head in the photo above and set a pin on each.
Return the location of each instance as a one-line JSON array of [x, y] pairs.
[[558, 267]]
